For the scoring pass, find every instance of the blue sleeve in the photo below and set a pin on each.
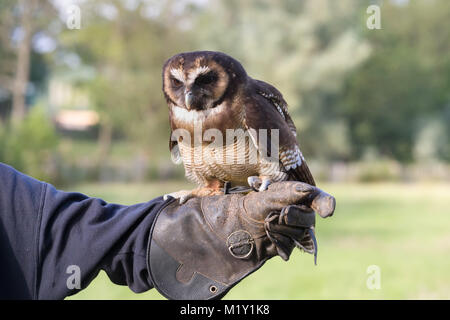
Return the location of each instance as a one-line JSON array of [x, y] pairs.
[[50, 239]]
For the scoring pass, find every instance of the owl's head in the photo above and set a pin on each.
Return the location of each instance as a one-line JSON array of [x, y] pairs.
[[201, 80]]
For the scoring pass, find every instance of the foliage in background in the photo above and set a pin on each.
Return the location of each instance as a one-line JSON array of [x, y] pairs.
[[31, 146], [402, 92], [127, 53], [304, 48], [353, 93]]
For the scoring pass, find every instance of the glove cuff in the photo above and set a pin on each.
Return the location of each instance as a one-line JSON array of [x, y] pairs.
[[187, 260]]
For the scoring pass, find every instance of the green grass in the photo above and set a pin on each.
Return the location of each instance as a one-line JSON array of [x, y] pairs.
[[402, 228]]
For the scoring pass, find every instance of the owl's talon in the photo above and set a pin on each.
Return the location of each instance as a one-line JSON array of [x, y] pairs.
[[265, 184], [177, 195], [254, 182], [259, 184], [185, 198]]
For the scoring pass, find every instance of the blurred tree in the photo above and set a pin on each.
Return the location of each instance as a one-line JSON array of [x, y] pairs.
[[127, 45], [20, 22], [304, 48], [26, 9], [7, 57], [404, 86], [31, 145]]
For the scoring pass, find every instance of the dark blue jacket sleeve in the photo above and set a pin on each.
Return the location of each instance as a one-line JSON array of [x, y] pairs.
[[48, 238]]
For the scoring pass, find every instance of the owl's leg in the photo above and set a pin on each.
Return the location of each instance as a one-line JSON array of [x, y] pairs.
[[260, 183]]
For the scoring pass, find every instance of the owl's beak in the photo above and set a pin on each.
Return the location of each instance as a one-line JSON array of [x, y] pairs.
[[188, 99]]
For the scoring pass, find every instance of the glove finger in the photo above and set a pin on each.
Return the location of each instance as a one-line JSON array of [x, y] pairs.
[[283, 244], [282, 194], [297, 216], [294, 192], [324, 204], [291, 232]]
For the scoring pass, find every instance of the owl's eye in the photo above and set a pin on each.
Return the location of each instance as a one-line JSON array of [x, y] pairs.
[[208, 78], [176, 82]]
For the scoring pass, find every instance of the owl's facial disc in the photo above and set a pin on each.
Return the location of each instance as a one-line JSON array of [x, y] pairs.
[[195, 83]]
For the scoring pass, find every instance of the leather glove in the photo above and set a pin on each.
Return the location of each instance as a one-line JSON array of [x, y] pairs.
[[201, 249]]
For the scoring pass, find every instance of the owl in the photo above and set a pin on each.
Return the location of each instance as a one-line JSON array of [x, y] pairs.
[[210, 99]]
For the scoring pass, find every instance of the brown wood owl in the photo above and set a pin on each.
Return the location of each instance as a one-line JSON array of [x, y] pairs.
[[210, 94]]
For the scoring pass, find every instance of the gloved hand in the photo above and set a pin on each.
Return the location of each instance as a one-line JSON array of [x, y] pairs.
[[201, 249]]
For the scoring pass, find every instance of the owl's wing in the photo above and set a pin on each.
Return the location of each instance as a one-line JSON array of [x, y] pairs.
[[173, 145], [265, 108], [174, 151]]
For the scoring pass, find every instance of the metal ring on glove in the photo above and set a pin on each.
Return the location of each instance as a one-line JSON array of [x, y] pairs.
[[240, 239]]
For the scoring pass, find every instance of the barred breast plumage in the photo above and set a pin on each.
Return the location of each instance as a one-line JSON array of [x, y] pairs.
[[233, 162]]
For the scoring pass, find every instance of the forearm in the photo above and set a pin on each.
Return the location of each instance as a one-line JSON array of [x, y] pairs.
[[93, 235], [48, 235], [21, 200]]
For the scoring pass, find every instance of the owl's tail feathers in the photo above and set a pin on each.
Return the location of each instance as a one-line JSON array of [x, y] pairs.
[[302, 174]]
